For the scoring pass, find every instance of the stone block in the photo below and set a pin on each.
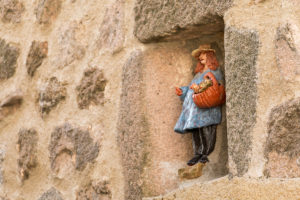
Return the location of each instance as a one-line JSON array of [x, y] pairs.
[[71, 47], [241, 50], [132, 126], [91, 88], [95, 190], [9, 54], [47, 10], [50, 95], [11, 10], [164, 20], [10, 104], [283, 142], [38, 51], [71, 144], [287, 55], [27, 147], [51, 194], [112, 31]]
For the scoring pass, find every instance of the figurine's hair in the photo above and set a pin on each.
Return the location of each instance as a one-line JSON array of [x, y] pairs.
[[211, 60]]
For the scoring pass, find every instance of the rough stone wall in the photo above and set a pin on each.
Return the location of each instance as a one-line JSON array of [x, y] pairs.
[[59, 98], [87, 97]]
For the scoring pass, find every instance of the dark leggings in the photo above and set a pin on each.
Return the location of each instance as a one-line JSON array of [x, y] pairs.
[[204, 140]]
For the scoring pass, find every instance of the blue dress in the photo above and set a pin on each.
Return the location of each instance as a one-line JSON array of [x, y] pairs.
[[191, 116]]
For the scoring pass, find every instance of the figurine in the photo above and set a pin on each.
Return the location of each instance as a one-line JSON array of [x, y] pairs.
[[200, 120]]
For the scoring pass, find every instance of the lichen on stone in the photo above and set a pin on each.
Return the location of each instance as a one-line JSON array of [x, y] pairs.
[[38, 51], [9, 54], [74, 142], [91, 88], [27, 147], [50, 95]]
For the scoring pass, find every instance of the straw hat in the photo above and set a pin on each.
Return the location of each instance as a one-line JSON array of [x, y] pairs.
[[202, 48]]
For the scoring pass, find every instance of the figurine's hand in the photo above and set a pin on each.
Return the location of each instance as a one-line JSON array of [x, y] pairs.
[[178, 91]]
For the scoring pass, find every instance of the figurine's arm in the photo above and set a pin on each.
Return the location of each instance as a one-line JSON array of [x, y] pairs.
[[184, 91]]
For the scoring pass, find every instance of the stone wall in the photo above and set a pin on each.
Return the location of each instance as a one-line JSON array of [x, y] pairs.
[[87, 102]]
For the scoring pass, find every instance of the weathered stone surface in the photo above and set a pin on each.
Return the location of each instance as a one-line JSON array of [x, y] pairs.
[[70, 45], [156, 20], [50, 95], [95, 190], [27, 143], [237, 188], [68, 141], [47, 11], [241, 50], [287, 56], [283, 142], [132, 125], [9, 54], [38, 51], [111, 30], [10, 104], [91, 88], [51, 194], [11, 10]]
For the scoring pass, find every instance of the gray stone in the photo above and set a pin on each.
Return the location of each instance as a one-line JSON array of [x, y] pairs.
[[284, 129], [51, 194], [27, 144], [132, 126], [91, 88], [11, 10], [111, 30], [50, 95], [241, 50], [38, 51], [169, 20], [95, 190], [9, 54], [283, 142], [47, 10], [76, 143]]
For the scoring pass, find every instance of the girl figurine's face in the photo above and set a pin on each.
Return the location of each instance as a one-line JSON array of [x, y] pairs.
[[202, 58]]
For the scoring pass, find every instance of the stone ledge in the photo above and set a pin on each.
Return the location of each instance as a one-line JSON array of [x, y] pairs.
[[237, 188]]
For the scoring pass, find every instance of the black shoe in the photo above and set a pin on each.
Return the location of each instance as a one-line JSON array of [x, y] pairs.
[[203, 159], [194, 160]]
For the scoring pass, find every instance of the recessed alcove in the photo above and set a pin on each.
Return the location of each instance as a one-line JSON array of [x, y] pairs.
[[167, 64]]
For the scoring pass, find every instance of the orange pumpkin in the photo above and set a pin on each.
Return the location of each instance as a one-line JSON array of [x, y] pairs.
[[212, 96]]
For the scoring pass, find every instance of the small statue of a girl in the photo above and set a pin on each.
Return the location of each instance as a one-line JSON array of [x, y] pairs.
[[201, 122]]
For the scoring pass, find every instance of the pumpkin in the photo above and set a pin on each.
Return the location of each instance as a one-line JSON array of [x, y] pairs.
[[213, 96]]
